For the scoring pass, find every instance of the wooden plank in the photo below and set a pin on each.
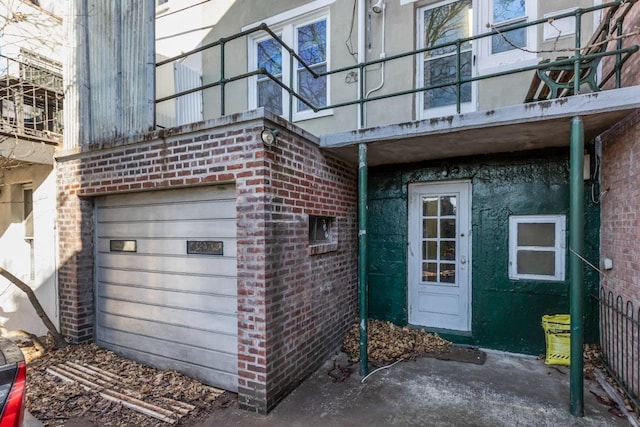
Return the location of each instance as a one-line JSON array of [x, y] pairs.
[[535, 85], [209, 283], [208, 321], [171, 298], [227, 343]]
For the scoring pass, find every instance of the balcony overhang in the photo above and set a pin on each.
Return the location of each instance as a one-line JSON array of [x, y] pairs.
[[515, 128], [16, 152]]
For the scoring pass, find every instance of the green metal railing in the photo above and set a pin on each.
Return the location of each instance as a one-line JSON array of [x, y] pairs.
[[622, 54], [620, 343]]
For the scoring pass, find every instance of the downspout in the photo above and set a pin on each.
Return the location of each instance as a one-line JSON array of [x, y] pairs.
[[576, 249], [383, 53], [362, 201]]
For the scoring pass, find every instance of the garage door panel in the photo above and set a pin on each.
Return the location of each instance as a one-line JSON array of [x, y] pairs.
[[171, 247], [180, 352], [197, 230], [176, 351], [160, 280], [197, 319], [162, 197], [160, 305], [187, 335], [225, 380], [169, 211], [223, 266], [176, 299]]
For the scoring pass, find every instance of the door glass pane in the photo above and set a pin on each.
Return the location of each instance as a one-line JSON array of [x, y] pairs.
[[429, 272], [508, 40], [430, 250], [537, 262], [445, 24], [448, 273], [441, 71], [510, 11], [448, 228], [429, 206], [506, 10], [536, 234], [448, 251], [448, 205], [439, 238], [430, 230]]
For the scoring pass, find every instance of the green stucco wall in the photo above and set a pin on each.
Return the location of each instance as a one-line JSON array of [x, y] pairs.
[[506, 314]]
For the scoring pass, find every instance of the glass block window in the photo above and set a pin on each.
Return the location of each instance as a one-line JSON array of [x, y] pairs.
[[321, 229], [537, 247]]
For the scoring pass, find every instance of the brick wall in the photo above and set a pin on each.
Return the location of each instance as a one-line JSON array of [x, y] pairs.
[[293, 306], [620, 237], [630, 75]]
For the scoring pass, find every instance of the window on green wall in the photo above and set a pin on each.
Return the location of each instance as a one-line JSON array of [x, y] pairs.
[[537, 247]]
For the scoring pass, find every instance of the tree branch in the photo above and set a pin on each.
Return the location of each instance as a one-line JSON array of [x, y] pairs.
[[58, 339]]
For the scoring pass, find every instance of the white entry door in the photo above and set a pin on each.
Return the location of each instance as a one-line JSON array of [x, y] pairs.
[[440, 255]]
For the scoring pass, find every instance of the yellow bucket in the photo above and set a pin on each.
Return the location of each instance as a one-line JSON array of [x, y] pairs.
[[557, 336]]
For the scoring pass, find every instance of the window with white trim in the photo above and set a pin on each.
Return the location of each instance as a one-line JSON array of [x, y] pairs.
[[441, 23], [507, 47], [537, 247], [309, 37]]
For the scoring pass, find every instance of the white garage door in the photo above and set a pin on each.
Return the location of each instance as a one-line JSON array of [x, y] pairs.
[[166, 280]]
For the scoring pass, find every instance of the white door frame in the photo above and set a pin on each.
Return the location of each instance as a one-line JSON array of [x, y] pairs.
[[449, 304]]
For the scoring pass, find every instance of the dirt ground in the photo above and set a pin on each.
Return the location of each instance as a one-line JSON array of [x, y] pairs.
[[56, 402]]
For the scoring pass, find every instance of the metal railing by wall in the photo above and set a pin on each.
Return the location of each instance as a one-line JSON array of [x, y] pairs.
[[620, 342], [578, 56], [31, 99]]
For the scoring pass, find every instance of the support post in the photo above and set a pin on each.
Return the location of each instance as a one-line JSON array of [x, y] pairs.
[[362, 256], [576, 249]]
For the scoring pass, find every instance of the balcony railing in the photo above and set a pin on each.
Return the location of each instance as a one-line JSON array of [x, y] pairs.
[[31, 99], [578, 55]]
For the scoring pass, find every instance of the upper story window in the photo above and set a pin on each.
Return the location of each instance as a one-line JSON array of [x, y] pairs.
[[508, 12], [308, 35], [442, 23], [508, 48]]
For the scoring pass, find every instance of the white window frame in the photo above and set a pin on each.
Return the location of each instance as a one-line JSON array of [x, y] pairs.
[[489, 62], [559, 246], [465, 107], [287, 24]]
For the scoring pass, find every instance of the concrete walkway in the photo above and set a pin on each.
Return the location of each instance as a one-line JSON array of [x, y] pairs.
[[508, 390]]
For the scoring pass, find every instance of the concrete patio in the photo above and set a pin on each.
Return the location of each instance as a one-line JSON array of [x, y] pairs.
[[508, 390]]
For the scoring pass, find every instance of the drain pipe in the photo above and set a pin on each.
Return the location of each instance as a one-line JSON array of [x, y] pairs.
[[362, 202], [576, 249], [363, 281]]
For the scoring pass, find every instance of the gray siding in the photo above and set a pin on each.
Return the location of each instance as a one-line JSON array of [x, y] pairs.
[[109, 72]]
